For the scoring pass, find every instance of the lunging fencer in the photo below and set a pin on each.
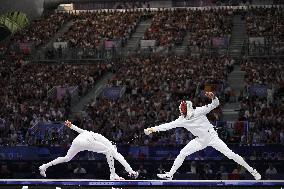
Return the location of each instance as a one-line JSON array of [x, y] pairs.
[[94, 142], [196, 122]]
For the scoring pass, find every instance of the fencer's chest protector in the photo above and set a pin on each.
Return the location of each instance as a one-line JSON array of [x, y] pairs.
[[198, 126]]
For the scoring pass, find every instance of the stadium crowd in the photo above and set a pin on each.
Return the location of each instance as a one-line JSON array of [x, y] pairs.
[[265, 22], [268, 25], [34, 34], [148, 100], [24, 97], [261, 101], [203, 25], [90, 29], [168, 27], [24, 100]]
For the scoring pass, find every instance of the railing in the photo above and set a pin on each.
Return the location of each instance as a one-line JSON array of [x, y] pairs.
[[208, 3], [207, 51], [79, 55], [72, 91], [267, 49], [75, 54]]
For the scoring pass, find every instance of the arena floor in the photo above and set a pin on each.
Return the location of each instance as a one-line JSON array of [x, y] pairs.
[[103, 184]]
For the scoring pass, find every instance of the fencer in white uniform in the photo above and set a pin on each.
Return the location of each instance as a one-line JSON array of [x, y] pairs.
[[94, 142], [196, 122]]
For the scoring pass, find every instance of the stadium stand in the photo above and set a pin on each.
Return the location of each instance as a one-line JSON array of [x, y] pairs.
[[26, 98]]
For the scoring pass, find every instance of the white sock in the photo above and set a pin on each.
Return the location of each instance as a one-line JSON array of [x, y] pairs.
[[242, 162], [110, 162], [177, 163], [123, 162]]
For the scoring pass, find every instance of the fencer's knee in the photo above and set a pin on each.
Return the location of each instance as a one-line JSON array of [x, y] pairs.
[[66, 158], [110, 153], [231, 155], [113, 151], [116, 155]]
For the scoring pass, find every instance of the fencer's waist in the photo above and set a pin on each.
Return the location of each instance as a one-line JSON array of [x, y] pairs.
[[203, 133], [89, 135]]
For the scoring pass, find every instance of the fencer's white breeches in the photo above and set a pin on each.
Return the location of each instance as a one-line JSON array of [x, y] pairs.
[[99, 145], [112, 154], [213, 140]]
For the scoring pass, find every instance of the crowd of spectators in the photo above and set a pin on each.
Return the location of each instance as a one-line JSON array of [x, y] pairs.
[[154, 97], [267, 23], [148, 100], [203, 25], [90, 29], [40, 31], [168, 27], [24, 99], [24, 95], [262, 100]]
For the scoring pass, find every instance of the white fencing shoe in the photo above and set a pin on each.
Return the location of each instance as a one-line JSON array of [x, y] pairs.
[[166, 176], [134, 174], [115, 177], [255, 174], [42, 170]]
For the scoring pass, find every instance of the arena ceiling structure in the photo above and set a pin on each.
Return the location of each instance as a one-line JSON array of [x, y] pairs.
[[12, 22]]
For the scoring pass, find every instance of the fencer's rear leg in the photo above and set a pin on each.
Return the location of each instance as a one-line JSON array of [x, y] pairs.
[[219, 145], [110, 161], [73, 150], [125, 164], [112, 151]]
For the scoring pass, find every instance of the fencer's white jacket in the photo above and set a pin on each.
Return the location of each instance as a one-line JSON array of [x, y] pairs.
[[84, 133], [197, 123], [93, 138]]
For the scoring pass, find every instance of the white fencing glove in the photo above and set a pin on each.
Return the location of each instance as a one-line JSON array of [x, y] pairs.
[[148, 131]]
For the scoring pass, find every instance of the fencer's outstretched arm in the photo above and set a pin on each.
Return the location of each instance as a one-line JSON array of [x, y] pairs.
[[167, 126], [74, 127], [203, 110], [163, 127]]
